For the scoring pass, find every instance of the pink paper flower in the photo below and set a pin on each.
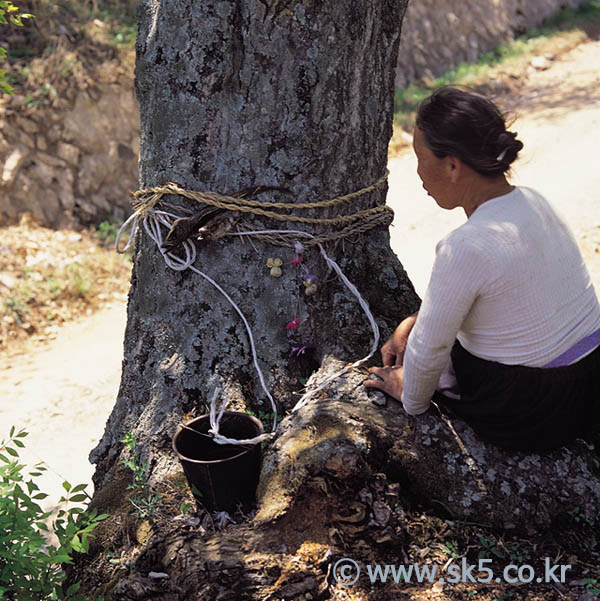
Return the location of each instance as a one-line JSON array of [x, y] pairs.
[[297, 261], [293, 325]]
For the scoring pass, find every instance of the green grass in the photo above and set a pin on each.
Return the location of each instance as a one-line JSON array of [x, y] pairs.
[[571, 17], [407, 100]]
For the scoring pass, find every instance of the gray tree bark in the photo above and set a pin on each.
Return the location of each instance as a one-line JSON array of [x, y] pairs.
[[235, 94], [292, 93]]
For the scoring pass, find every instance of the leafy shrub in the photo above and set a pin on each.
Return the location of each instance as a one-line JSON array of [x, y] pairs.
[[30, 567], [9, 13], [106, 233]]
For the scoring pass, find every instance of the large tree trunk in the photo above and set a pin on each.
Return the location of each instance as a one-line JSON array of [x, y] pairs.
[[239, 94], [299, 94]]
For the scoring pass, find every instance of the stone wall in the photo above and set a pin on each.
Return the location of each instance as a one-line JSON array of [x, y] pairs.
[[71, 158], [438, 35]]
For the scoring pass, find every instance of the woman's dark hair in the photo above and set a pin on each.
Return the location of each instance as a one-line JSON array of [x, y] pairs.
[[467, 125]]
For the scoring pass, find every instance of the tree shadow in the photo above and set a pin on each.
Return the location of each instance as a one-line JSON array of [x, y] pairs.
[[551, 100]]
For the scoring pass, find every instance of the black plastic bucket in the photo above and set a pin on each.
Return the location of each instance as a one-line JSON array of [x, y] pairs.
[[224, 475]]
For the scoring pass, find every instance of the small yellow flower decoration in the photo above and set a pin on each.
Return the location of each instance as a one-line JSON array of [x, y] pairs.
[[310, 288], [275, 266]]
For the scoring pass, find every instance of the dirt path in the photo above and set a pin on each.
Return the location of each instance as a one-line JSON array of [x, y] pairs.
[[63, 392]]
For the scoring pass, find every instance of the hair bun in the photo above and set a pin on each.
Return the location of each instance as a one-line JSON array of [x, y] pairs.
[[508, 146]]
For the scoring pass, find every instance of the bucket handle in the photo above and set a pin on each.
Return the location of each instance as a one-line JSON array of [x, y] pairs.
[[186, 427]]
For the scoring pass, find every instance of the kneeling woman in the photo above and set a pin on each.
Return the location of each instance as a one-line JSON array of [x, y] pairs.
[[510, 310]]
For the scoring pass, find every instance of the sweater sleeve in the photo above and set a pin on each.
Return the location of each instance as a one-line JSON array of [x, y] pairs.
[[456, 279]]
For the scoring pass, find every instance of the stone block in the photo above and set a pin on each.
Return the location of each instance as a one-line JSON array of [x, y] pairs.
[[51, 160], [100, 202], [42, 174], [86, 207], [93, 170], [51, 206], [15, 135], [65, 192], [12, 163], [27, 125], [25, 199], [54, 134], [68, 152], [67, 199]]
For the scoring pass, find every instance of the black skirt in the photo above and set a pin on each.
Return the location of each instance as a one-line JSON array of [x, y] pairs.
[[527, 408]]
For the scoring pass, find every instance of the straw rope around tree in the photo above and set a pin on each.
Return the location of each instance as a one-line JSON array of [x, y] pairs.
[[148, 197], [383, 218], [145, 200]]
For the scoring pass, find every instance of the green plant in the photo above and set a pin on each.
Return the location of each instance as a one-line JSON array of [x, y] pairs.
[[53, 286], [145, 503], [14, 16], [106, 232], [185, 506], [578, 516], [123, 11], [30, 567], [138, 469], [8, 9], [266, 418], [17, 307], [518, 553], [450, 548], [498, 548], [505, 596], [117, 559], [592, 585], [25, 292], [124, 35], [569, 17], [41, 95]]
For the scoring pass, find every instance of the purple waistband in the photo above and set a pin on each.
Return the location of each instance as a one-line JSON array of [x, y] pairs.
[[584, 346]]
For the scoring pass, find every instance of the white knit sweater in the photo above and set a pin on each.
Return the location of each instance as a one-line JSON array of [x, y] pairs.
[[510, 284]]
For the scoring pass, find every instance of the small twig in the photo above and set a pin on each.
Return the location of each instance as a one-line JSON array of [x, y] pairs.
[[589, 565]]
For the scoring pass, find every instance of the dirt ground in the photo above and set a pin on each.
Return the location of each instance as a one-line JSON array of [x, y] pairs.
[[62, 390]]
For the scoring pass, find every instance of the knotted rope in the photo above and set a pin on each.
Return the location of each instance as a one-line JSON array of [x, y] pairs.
[[152, 218], [147, 198], [369, 222]]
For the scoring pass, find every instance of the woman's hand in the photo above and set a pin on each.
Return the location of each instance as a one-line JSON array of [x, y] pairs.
[[392, 352], [389, 379]]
